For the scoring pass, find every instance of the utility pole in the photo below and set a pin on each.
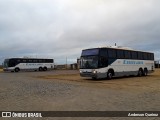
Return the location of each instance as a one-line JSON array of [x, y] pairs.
[[66, 62]]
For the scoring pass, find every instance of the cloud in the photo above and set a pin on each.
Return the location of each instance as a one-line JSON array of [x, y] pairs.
[[60, 28]]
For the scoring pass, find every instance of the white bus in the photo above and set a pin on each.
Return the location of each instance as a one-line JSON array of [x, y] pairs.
[[107, 62], [19, 64]]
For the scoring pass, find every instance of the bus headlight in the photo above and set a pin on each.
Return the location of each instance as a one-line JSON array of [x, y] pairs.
[[80, 71], [94, 71]]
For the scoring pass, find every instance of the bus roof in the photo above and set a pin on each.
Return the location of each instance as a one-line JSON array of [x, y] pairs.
[[118, 47], [28, 58]]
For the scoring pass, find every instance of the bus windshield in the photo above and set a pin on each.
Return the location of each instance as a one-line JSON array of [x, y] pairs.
[[6, 62], [89, 62]]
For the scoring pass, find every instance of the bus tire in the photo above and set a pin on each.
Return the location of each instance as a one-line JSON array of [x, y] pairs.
[[45, 68], [145, 73], [140, 72], [109, 75], [94, 78], [17, 70], [40, 68]]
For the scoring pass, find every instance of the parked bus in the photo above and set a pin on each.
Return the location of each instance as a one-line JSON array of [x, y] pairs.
[[18, 64], [107, 62]]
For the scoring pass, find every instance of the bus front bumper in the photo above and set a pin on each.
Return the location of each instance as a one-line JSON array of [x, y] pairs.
[[93, 74], [88, 74], [4, 69], [7, 70]]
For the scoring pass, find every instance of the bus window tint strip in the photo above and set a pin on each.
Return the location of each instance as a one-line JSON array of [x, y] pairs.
[[90, 52]]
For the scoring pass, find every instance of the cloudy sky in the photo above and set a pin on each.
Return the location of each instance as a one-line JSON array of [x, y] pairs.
[[62, 28]]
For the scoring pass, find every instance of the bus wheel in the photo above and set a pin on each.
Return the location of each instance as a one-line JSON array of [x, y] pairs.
[[94, 78], [45, 68], [40, 69], [109, 75], [145, 73], [17, 70], [140, 72]]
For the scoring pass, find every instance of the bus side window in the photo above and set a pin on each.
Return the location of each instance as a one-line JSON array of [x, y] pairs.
[[12, 63], [111, 53], [127, 54], [134, 55], [18, 61], [24, 61], [104, 52], [34, 61], [40, 61], [140, 55], [103, 62], [144, 56], [152, 56], [120, 54]]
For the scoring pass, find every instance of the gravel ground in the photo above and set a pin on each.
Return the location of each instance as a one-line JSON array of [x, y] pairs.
[[65, 90]]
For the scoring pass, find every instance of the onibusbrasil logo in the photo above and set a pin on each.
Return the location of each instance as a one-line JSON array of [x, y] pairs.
[[21, 114]]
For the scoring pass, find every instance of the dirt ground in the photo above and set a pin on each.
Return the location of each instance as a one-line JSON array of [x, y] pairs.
[[65, 90], [132, 83]]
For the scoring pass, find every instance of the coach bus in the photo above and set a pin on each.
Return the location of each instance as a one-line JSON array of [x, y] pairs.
[[107, 62], [19, 64]]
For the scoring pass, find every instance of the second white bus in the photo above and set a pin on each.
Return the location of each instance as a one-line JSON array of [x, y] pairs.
[[19, 64]]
